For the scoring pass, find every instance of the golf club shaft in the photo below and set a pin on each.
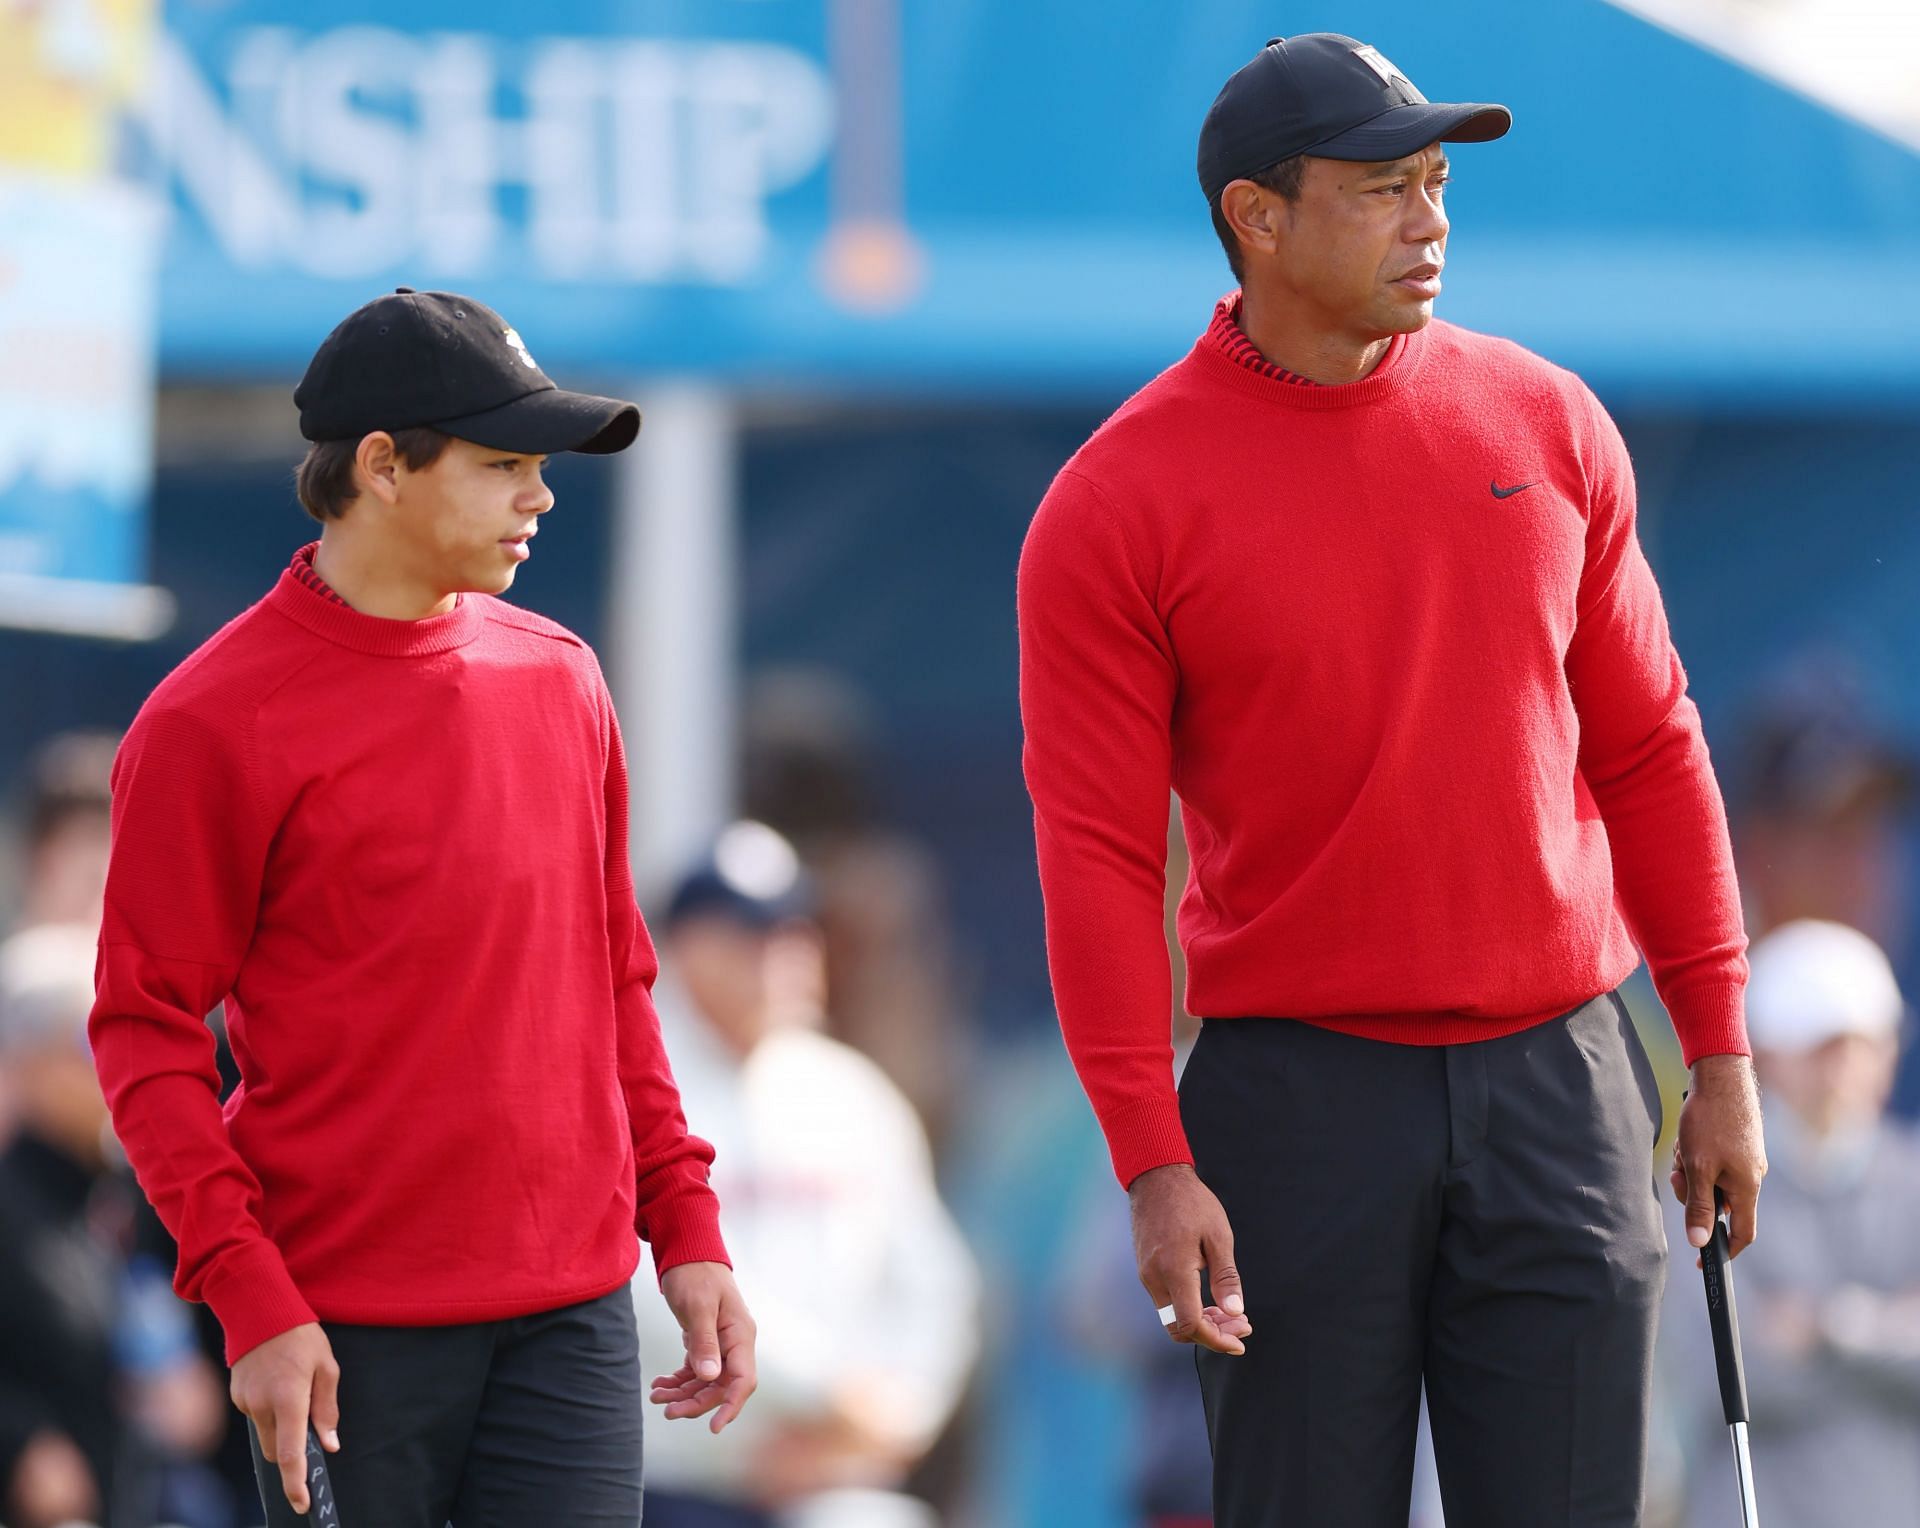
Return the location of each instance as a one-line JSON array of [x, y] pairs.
[[1716, 1268], [1743, 1469]]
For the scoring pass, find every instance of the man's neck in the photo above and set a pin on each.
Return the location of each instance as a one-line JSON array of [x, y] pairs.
[[1288, 337], [371, 584]]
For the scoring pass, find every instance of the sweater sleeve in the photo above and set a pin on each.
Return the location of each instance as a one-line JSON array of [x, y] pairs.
[[190, 841], [1644, 757], [1097, 686], [675, 1211]]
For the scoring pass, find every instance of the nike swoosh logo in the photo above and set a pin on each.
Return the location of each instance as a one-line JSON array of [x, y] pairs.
[[1508, 493]]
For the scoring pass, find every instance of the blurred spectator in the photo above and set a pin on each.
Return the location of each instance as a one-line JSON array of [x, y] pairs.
[[99, 1379], [58, 1436], [808, 747], [1830, 1297], [103, 1393], [1822, 789], [1822, 818], [1170, 1463], [864, 1293], [65, 818]]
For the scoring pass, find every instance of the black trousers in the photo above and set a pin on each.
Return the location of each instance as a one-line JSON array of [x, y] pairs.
[[523, 1423], [1481, 1216]]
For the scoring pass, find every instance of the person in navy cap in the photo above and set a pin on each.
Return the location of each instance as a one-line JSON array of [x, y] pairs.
[[829, 1207], [381, 818], [1363, 590]]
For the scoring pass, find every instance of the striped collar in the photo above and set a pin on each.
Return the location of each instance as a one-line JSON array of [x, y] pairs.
[[303, 569], [1227, 336]]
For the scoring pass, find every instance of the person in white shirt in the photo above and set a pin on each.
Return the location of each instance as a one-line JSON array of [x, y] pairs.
[[1830, 1304], [866, 1296]]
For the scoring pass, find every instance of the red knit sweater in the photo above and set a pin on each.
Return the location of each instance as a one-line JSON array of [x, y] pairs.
[[398, 851], [1432, 744]]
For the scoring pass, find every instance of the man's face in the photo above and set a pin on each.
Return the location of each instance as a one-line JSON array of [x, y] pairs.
[[1363, 246], [67, 878], [1845, 1082], [747, 981], [465, 521], [57, 1094]]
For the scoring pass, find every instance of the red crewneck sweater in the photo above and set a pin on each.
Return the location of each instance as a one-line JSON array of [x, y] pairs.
[[398, 851], [1397, 649]]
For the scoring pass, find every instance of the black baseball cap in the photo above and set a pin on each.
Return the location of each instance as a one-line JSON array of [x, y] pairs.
[[751, 876], [437, 358], [1330, 96]]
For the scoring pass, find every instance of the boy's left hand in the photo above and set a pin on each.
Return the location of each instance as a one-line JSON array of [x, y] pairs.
[[719, 1335]]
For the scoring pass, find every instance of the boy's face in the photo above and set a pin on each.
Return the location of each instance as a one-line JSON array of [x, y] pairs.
[[464, 522]]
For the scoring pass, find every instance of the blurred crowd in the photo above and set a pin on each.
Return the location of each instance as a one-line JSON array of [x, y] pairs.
[[811, 1008], [113, 1405]]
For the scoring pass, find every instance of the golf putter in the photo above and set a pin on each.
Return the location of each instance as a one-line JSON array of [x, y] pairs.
[[321, 1511], [1716, 1267]]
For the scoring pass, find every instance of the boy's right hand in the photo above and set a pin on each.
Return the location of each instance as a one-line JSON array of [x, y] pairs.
[[278, 1386]]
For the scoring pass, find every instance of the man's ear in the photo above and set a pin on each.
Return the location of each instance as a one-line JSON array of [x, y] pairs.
[[376, 466], [1253, 213]]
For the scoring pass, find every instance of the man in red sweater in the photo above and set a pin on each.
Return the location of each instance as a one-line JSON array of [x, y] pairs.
[[382, 816], [1364, 590]]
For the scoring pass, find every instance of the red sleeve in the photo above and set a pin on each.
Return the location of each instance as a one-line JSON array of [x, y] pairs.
[[1644, 757], [675, 1211], [190, 838], [1097, 685]]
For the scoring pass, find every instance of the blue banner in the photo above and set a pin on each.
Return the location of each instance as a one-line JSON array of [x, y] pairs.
[[973, 194], [79, 255]]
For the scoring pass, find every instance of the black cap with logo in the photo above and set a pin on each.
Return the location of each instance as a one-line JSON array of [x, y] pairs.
[[437, 358], [1332, 97]]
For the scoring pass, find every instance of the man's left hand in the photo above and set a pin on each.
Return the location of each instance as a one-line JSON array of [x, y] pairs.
[[718, 1332], [1719, 1145]]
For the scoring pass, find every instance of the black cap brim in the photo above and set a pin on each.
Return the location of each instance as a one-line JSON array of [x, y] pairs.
[[541, 423], [1402, 130]]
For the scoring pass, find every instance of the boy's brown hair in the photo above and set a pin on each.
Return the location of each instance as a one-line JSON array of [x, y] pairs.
[[324, 480]]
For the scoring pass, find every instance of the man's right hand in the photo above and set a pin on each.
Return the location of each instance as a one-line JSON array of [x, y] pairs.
[[1179, 1229], [279, 1386]]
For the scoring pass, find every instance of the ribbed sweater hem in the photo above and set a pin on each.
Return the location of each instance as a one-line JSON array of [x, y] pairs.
[[1710, 1020], [363, 1312], [254, 1297], [686, 1229], [1144, 1135], [1432, 1028]]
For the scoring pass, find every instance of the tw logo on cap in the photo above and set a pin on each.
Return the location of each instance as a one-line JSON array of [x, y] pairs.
[[520, 349], [1387, 69]]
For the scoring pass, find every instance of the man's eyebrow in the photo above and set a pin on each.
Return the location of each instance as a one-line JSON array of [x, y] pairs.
[[1401, 167]]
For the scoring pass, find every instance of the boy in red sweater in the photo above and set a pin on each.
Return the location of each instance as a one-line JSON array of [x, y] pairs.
[[1364, 591], [382, 817]]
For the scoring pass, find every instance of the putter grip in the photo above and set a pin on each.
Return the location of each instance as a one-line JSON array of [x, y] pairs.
[[322, 1511], [1716, 1267]]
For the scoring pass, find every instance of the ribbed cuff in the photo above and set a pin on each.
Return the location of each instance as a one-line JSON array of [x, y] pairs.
[[685, 1229], [1711, 1021], [1145, 1135], [254, 1297]]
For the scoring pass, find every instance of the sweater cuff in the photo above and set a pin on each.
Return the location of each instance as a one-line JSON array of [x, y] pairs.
[[686, 1229], [253, 1295], [1144, 1135], [1711, 1021]]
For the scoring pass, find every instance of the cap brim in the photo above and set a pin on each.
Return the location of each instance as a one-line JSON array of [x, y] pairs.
[[1401, 130], [541, 423]]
